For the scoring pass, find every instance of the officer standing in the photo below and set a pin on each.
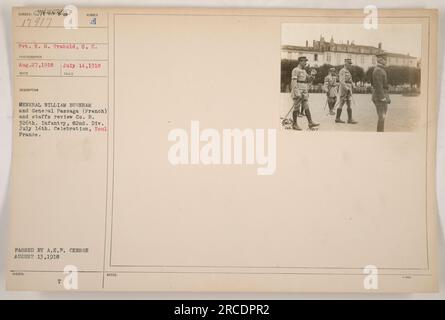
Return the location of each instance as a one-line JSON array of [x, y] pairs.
[[380, 95], [331, 88], [300, 93], [345, 79]]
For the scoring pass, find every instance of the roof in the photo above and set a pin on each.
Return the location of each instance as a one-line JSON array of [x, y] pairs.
[[297, 48], [310, 48], [398, 55], [323, 45], [339, 48]]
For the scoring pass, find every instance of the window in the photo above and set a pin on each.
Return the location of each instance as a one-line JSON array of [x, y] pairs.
[[328, 57], [374, 59], [315, 56], [362, 59]]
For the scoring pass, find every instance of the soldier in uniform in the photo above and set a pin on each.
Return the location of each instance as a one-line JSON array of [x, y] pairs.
[[380, 95], [331, 89], [300, 94], [345, 79]]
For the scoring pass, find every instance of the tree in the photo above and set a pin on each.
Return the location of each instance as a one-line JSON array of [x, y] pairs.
[[286, 73], [358, 74], [398, 75], [322, 72], [368, 75]]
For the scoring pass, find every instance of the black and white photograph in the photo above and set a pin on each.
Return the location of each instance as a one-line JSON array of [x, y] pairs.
[[344, 77]]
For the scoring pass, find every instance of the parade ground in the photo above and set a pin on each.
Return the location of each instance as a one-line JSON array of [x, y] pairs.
[[403, 113]]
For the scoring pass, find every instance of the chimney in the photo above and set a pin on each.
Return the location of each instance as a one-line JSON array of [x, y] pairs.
[[380, 45], [307, 43], [347, 42]]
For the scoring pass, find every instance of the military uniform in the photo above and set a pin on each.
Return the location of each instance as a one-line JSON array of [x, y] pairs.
[[299, 84], [331, 88], [345, 92], [345, 78], [300, 94], [380, 95]]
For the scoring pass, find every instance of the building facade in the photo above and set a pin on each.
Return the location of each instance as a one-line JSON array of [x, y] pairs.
[[329, 52]]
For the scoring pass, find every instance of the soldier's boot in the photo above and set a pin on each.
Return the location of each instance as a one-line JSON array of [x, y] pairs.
[[350, 120], [311, 123], [337, 118], [294, 121]]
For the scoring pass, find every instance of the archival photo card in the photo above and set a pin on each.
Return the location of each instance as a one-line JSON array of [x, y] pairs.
[[223, 150]]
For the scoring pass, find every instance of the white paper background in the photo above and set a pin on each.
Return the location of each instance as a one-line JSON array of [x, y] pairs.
[[6, 123]]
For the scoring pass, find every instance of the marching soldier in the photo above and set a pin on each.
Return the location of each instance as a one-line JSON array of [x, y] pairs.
[[300, 93], [331, 88], [345, 78], [380, 95]]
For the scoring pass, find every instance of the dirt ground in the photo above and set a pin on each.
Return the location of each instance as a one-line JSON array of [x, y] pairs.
[[403, 113]]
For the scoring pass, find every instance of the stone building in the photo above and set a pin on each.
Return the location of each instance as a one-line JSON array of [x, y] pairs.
[[329, 52]]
